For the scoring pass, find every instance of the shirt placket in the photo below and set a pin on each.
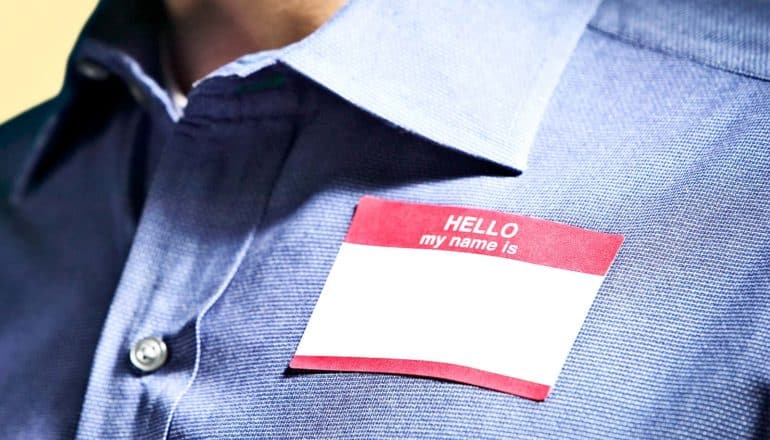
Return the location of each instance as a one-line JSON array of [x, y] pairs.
[[211, 188]]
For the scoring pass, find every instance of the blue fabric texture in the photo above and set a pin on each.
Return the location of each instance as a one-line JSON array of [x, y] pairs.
[[215, 227]]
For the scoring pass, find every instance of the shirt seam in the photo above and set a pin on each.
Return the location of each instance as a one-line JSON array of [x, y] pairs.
[[674, 53]]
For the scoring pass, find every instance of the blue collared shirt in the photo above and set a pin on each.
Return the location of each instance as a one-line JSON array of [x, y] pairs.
[[214, 227]]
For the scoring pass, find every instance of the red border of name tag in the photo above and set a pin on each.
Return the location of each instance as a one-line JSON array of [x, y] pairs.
[[438, 370], [379, 222]]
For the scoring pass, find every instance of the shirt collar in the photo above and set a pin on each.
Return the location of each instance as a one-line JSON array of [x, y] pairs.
[[473, 76]]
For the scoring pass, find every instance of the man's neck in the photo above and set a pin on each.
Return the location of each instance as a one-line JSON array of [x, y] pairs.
[[206, 34]]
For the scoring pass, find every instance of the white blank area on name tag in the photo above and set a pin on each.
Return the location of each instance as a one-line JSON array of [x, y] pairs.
[[494, 314]]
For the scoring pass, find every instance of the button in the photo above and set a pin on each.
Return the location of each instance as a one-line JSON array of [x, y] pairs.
[[148, 354], [92, 70]]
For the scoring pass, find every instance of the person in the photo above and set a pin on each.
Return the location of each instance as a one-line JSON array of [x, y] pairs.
[[169, 220]]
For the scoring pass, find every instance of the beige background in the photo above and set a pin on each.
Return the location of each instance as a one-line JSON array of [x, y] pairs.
[[35, 39]]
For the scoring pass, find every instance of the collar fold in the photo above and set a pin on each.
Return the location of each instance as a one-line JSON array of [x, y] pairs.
[[475, 76]]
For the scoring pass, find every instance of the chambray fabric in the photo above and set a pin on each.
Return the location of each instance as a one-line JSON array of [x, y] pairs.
[[216, 228]]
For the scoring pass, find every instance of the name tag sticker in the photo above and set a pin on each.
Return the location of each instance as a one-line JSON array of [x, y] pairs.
[[468, 295]]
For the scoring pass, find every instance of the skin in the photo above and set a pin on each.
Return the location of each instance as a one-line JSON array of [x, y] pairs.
[[206, 34]]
